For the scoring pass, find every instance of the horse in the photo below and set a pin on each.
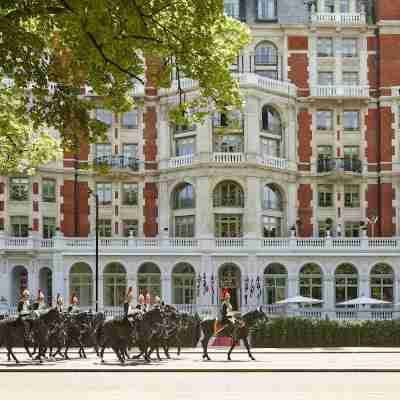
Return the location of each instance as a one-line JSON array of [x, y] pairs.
[[239, 330]]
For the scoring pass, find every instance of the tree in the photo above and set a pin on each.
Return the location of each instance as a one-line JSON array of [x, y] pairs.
[[50, 49]]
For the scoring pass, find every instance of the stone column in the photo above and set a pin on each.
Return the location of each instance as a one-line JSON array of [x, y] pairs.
[[164, 140], [204, 215], [58, 277], [252, 129], [166, 287], [5, 280], [164, 209], [364, 285], [204, 142], [292, 285], [252, 220], [329, 291]]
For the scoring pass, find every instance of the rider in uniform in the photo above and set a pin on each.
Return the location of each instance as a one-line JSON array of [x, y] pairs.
[[147, 305], [157, 303], [24, 311], [74, 308], [39, 306], [227, 316], [59, 303], [141, 303], [128, 302]]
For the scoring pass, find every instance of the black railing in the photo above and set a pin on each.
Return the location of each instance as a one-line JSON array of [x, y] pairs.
[[340, 165], [120, 162]]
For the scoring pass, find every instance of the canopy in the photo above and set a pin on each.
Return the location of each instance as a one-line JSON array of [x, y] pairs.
[[299, 300], [363, 301]]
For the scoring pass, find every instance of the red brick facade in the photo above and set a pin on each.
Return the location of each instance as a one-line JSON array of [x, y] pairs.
[[298, 72], [304, 196], [304, 140], [150, 209], [387, 10]]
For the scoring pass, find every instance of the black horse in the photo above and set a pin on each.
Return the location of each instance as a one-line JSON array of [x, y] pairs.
[[236, 331]]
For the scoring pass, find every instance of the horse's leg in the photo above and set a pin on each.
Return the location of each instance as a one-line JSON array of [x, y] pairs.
[[166, 351], [102, 354], [232, 347], [27, 350], [158, 352], [10, 352], [179, 346], [66, 356], [246, 343], [204, 343]]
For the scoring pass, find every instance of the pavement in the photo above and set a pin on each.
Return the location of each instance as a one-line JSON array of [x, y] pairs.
[[267, 360]]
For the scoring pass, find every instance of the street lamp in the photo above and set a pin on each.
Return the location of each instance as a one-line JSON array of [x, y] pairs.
[[95, 195]]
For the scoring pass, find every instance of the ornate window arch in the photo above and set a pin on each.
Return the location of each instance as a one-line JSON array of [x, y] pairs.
[[271, 120], [114, 285], [149, 279], [228, 194], [183, 197], [275, 283], [81, 283], [382, 282], [310, 281], [183, 284], [346, 282]]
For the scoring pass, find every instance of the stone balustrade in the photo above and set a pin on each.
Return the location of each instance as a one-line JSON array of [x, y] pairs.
[[338, 19], [340, 91]]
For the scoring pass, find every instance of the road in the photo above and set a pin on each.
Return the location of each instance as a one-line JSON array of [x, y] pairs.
[[284, 374]]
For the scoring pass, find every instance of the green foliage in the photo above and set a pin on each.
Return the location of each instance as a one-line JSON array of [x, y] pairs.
[[103, 44], [308, 332]]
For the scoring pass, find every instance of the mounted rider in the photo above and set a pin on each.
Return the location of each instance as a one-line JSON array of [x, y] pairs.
[[39, 306], [147, 305], [24, 307], [128, 303], [227, 317], [141, 306], [74, 306], [157, 303], [59, 303]]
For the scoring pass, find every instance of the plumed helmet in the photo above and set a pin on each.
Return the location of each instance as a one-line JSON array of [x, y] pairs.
[[74, 299], [40, 294], [141, 299], [148, 297], [60, 299], [25, 293], [225, 293], [157, 300]]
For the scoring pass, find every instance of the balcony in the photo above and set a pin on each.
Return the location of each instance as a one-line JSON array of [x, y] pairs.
[[116, 162], [228, 158], [338, 165], [340, 92], [277, 246], [273, 162], [181, 161], [338, 19]]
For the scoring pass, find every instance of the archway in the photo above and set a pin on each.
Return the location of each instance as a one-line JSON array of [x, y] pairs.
[[19, 282], [310, 281], [381, 282], [81, 283], [183, 284], [114, 285], [149, 280], [46, 284], [275, 283], [230, 277], [346, 282]]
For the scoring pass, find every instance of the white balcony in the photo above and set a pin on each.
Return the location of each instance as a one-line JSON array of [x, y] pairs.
[[338, 19], [340, 92], [181, 161], [228, 158], [277, 246], [274, 162]]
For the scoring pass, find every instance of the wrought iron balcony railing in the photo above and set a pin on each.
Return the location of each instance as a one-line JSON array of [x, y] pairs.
[[117, 162], [339, 165]]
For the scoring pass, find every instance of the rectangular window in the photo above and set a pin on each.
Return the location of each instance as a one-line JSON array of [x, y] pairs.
[[351, 196], [130, 194], [130, 150], [105, 228], [228, 143], [350, 78], [104, 116], [129, 120], [266, 9], [229, 226], [185, 146], [324, 120], [349, 47], [325, 196], [329, 6], [344, 6], [325, 79], [103, 153], [351, 152], [270, 147], [49, 227], [104, 193], [323, 228], [352, 229], [49, 190], [19, 189], [19, 226], [184, 226], [351, 120], [130, 225], [325, 47], [231, 8], [272, 226], [324, 162]]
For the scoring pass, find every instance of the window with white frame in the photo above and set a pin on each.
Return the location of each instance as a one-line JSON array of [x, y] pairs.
[[344, 6], [231, 8], [272, 198], [329, 6], [49, 190], [129, 120], [325, 196], [104, 193], [351, 120], [350, 78], [349, 47], [19, 226], [49, 227], [351, 196], [267, 9], [103, 152], [325, 78], [271, 120], [104, 228], [228, 225], [323, 228], [324, 120], [185, 146], [19, 189], [352, 229], [325, 47], [183, 197], [272, 226], [270, 147], [266, 54], [104, 116], [228, 194], [130, 194], [184, 226]]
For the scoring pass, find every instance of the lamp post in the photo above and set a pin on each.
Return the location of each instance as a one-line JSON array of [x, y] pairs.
[[95, 195]]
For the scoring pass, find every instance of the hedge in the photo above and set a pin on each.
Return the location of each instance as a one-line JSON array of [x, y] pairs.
[[306, 332]]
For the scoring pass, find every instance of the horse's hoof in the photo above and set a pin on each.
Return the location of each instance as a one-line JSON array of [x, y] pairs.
[[102, 361], [253, 358]]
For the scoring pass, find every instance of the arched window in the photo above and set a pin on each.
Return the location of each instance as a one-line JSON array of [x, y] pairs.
[[46, 284], [81, 283], [346, 283], [228, 194], [149, 280], [381, 282], [266, 54], [271, 121], [114, 285], [310, 281], [275, 283], [183, 197], [183, 284], [272, 198], [19, 282]]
